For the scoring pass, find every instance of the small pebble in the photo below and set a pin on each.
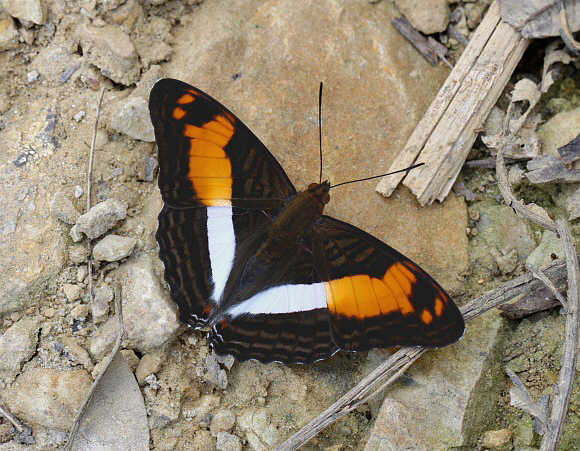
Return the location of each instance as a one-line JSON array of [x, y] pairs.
[[78, 354], [80, 312], [32, 76], [113, 248], [78, 191], [223, 420], [496, 439], [228, 442], [78, 253], [100, 305], [72, 292], [79, 116], [152, 381], [82, 272], [148, 365], [151, 167]]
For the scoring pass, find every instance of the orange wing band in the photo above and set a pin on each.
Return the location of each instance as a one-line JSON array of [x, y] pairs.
[[210, 170], [362, 296]]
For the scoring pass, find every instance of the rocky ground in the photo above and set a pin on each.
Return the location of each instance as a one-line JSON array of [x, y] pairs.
[[264, 60]]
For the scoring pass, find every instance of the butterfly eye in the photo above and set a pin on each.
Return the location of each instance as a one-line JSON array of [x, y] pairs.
[[326, 198], [312, 186]]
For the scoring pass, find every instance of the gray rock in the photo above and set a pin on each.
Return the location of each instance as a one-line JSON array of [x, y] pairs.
[[501, 226], [75, 234], [447, 380], [150, 170], [72, 292], [149, 318], [100, 306], [216, 375], [132, 119], [548, 250], [226, 360], [110, 49], [32, 76], [427, 16], [103, 339], [149, 364], [113, 248], [223, 420], [101, 218], [8, 41], [559, 130], [131, 358], [27, 10], [17, 346], [572, 202], [48, 397], [78, 253], [507, 263], [228, 442]]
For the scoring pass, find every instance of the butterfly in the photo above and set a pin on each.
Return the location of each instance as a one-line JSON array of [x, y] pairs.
[[260, 265]]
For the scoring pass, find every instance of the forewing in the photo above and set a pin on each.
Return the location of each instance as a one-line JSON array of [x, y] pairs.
[[207, 156]]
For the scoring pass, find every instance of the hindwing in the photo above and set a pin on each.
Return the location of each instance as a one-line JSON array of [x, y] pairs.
[[376, 296]]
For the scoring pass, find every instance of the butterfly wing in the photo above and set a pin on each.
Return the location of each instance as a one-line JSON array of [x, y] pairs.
[[287, 321], [207, 156], [220, 187], [376, 296]]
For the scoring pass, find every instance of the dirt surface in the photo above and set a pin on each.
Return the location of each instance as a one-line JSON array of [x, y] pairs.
[[264, 60]]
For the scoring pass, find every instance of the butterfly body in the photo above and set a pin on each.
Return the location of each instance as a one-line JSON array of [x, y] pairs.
[[259, 263]]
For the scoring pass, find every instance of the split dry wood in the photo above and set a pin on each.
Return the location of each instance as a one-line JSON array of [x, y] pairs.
[[445, 134], [389, 371]]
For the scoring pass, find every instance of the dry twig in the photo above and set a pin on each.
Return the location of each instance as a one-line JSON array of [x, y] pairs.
[[89, 177], [388, 371], [566, 376], [24, 432], [565, 32], [419, 41]]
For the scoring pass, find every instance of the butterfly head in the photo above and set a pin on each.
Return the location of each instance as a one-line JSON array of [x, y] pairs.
[[320, 191]]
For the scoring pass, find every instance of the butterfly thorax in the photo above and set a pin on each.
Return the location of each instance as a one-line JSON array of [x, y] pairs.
[[281, 245], [296, 219]]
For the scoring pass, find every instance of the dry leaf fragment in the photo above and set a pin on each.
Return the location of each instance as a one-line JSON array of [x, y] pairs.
[[525, 96], [540, 18], [520, 398], [570, 152], [533, 302], [556, 54], [550, 169]]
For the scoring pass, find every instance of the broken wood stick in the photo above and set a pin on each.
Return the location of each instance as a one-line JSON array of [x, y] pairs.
[[445, 134]]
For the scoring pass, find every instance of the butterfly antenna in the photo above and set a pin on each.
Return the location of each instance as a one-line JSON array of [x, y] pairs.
[[380, 175], [320, 130]]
